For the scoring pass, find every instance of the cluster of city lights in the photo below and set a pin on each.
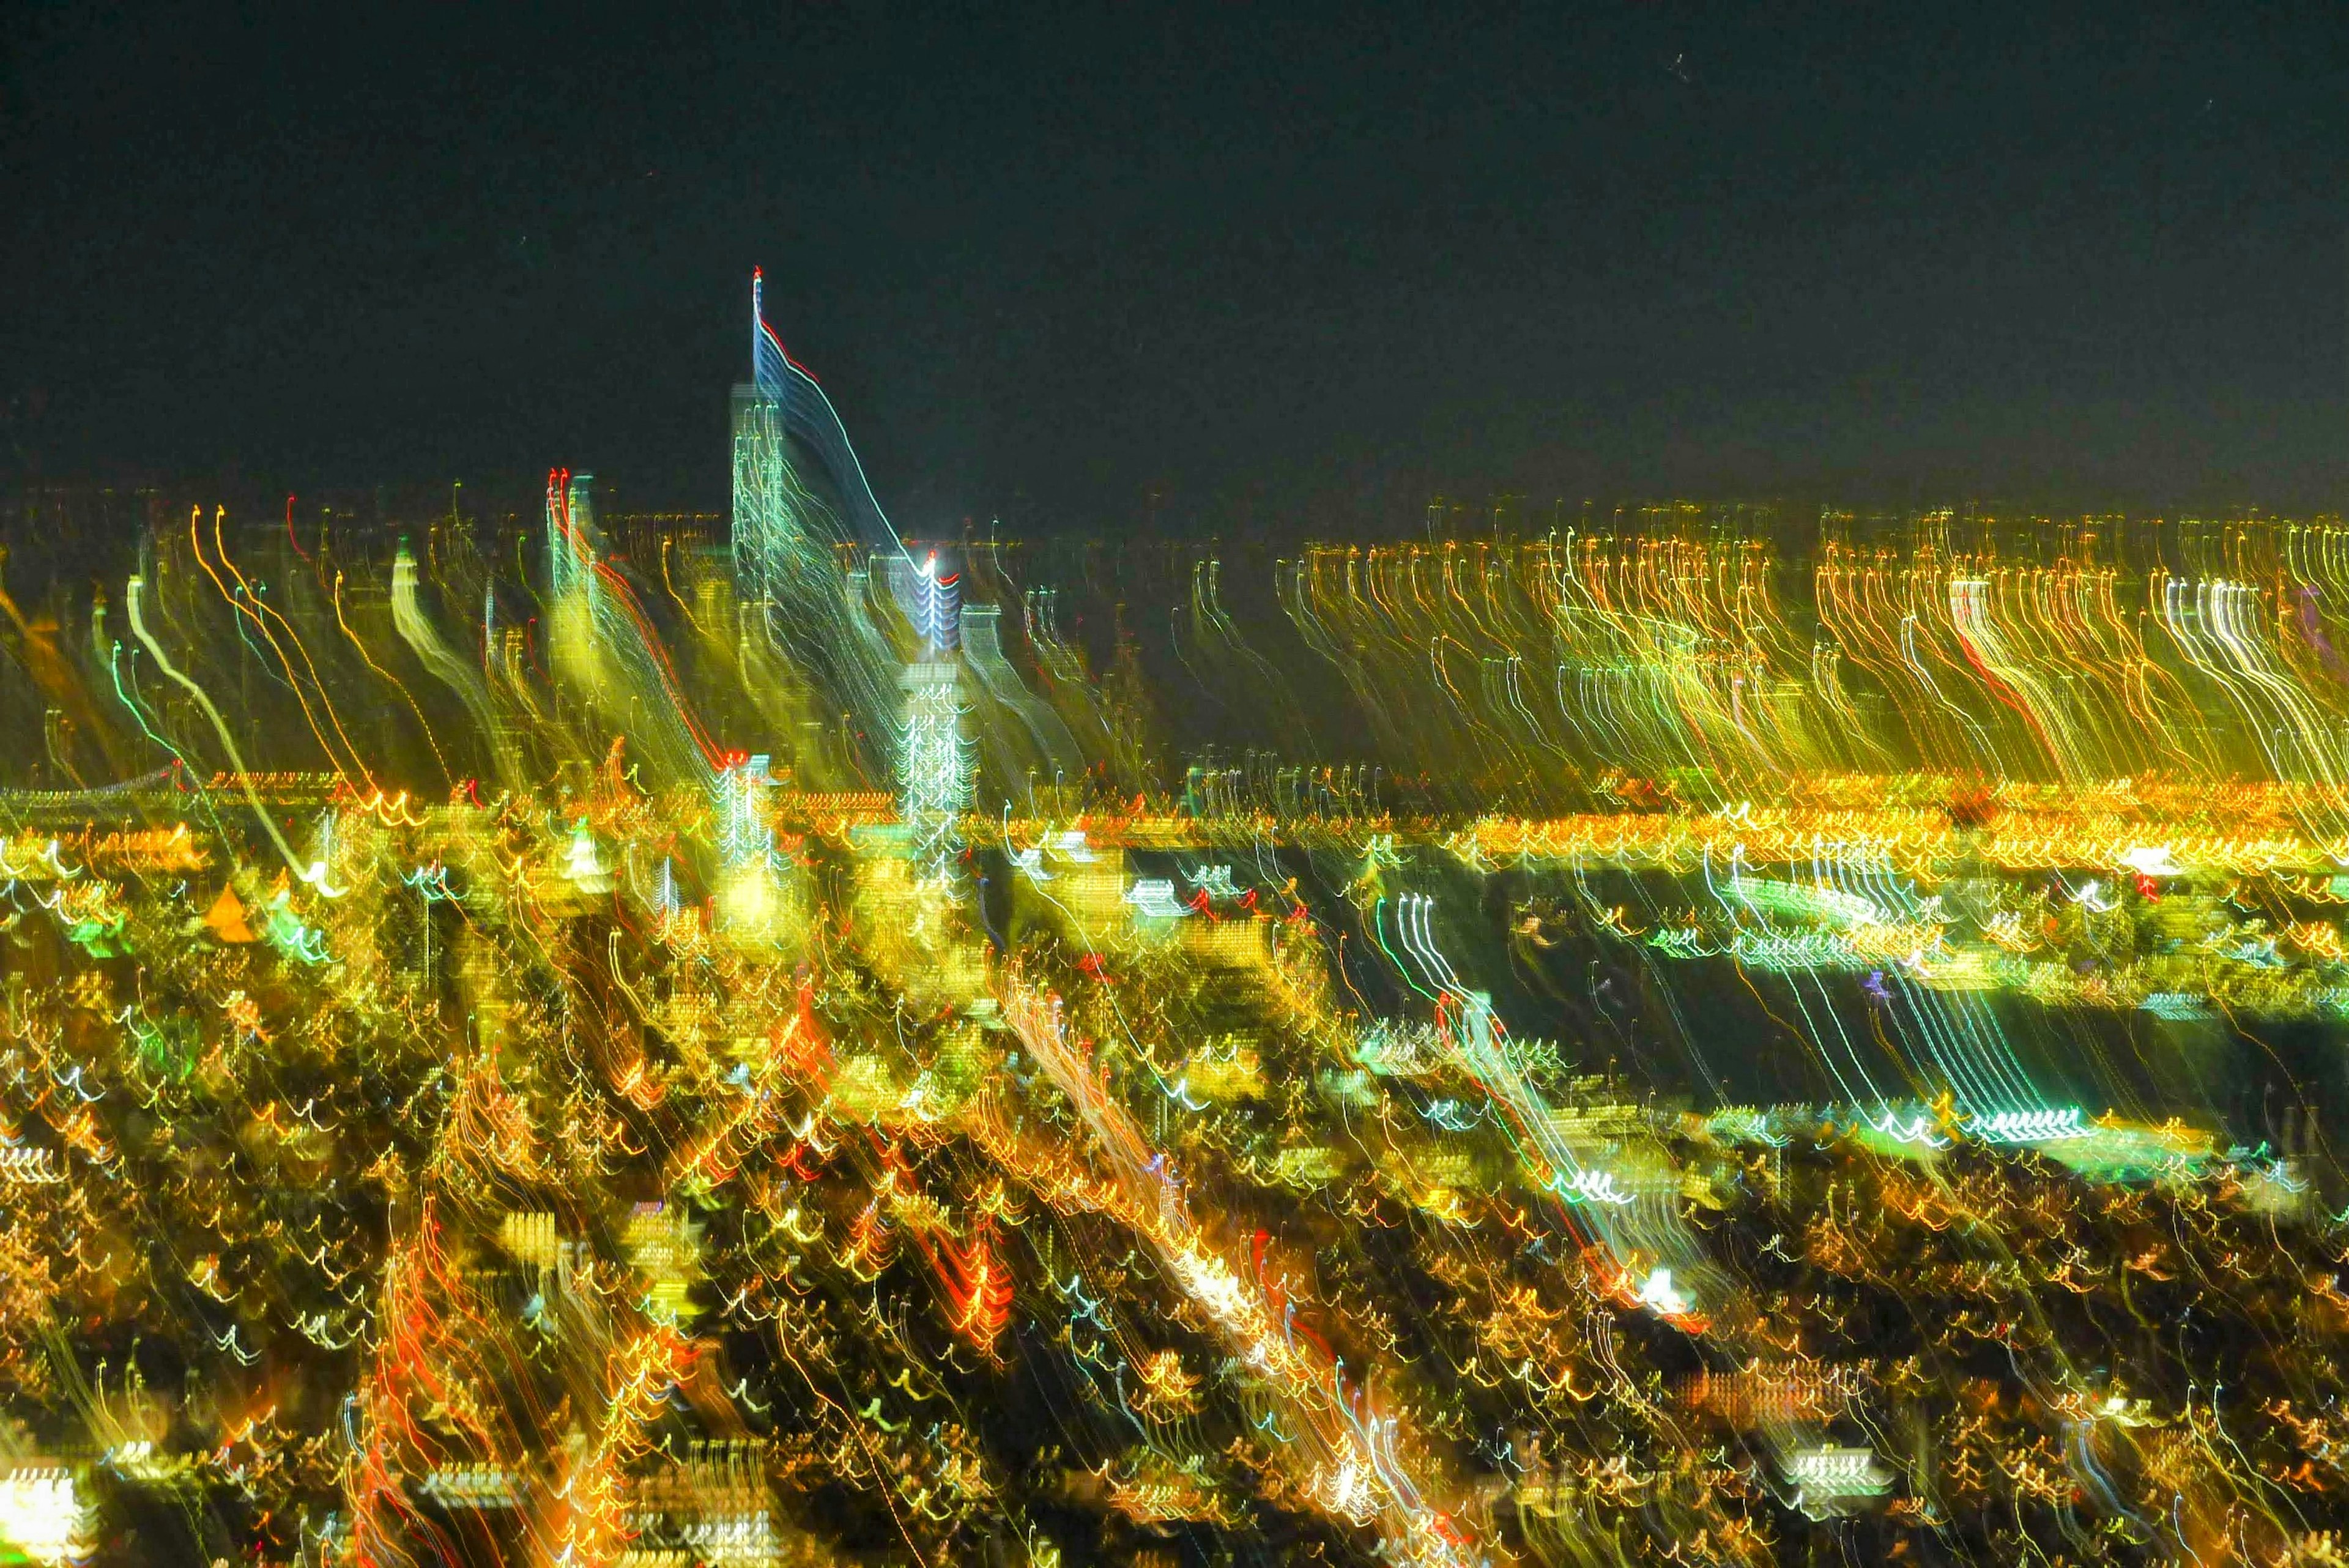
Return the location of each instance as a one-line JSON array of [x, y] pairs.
[[597, 1044]]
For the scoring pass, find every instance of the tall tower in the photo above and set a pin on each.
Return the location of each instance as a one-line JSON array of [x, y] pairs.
[[806, 527], [934, 768], [767, 530]]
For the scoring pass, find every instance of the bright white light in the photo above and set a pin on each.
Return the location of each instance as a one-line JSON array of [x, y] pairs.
[[581, 866], [1599, 1187], [1833, 1480], [40, 1515], [1154, 897], [2153, 862], [1216, 880], [1658, 1293], [2030, 1126]]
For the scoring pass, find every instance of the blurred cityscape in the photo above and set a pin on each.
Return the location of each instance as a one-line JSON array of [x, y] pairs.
[[570, 1034]]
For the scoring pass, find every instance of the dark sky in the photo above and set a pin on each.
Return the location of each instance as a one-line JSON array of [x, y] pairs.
[[1049, 265]]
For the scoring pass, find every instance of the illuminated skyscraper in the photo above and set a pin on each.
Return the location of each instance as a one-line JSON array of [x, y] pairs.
[[802, 510], [934, 762], [768, 529]]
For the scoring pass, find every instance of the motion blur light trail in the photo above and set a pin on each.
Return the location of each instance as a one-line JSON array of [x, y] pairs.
[[616, 1041]]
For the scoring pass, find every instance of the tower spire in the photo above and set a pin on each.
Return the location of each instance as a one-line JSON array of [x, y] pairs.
[[770, 366]]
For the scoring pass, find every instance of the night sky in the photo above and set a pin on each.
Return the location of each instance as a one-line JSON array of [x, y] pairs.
[[1216, 269]]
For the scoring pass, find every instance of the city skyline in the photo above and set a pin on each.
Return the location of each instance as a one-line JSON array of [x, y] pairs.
[[1563, 790]]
